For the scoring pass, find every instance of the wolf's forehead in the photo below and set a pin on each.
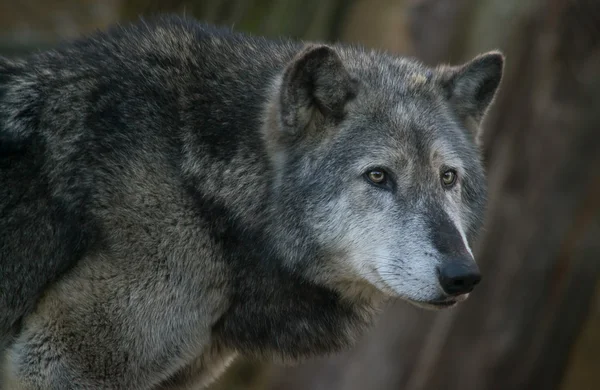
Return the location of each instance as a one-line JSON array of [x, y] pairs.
[[408, 131], [411, 148], [387, 72], [402, 109], [428, 137], [401, 94]]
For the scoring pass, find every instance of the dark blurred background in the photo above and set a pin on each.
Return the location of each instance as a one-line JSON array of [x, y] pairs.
[[534, 323]]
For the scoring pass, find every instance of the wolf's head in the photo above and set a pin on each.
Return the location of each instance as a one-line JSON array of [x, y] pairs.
[[377, 166]]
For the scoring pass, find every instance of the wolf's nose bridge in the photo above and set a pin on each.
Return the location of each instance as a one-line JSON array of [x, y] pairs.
[[445, 236]]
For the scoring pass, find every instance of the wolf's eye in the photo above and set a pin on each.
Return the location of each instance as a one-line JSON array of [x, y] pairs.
[[377, 176], [449, 178]]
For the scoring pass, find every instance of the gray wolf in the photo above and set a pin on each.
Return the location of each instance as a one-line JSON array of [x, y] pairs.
[[174, 194]]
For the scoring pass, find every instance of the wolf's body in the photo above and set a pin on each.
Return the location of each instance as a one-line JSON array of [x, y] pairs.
[[173, 194]]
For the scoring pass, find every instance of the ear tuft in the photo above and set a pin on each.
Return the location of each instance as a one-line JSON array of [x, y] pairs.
[[471, 87], [315, 82]]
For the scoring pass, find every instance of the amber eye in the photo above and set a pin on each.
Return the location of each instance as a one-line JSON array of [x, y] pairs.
[[449, 178], [377, 176]]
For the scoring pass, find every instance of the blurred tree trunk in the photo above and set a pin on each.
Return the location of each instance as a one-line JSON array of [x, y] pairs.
[[540, 254]]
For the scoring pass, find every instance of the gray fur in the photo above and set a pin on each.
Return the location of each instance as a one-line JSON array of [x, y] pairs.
[[173, 195]]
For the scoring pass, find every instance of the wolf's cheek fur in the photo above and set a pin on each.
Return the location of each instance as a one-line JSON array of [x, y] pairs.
[[370, 235]]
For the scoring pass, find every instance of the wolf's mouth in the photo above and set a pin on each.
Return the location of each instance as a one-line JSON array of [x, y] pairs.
[[436, 304], [445, 303]]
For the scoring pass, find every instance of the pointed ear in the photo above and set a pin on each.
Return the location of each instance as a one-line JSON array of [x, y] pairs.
[[471, 87], [314, 85]]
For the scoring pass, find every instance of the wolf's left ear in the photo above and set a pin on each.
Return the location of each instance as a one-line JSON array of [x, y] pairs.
[[315, 85], [471, 87]]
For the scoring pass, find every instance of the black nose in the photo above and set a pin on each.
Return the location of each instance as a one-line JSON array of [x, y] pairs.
[[459, 278]]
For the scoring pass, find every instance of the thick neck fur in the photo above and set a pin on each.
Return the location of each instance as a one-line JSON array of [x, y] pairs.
[[277, 310], [280, 308]]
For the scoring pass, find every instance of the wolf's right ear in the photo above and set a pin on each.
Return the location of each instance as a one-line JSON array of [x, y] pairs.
[[314, 84]]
